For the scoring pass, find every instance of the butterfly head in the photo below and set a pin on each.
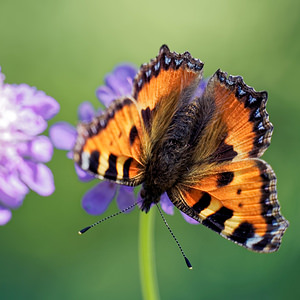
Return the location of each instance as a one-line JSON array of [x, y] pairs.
[[150, 195]]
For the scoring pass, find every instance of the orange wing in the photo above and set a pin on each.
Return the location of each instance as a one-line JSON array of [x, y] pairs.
[[162, 87], [110, 146], [242, 111], [239, 201], [227, 188], [169, 73]]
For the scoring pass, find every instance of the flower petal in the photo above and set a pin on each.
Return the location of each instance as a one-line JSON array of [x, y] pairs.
[[70, 154], [125, 198], [189, 219], [83, 175], [120, 80], [38, 177], [97, 199], [106, 95], [12, 190], [118, 84], [5, 215], [38, 101], [166, 204], [63, 135], [200, 89], [30, 123], [86, 112], [41, 149]]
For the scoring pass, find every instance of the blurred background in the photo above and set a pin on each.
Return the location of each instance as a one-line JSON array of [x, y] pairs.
[[65, 47]]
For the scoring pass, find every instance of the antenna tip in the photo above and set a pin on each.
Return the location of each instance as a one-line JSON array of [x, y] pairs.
[[84, 230], [189, 265]]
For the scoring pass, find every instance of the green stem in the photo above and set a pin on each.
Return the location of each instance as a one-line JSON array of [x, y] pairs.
[[147, 258]]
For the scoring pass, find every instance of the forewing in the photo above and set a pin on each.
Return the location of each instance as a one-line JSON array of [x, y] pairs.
[[161, 87], [111, 146], [240, 118]]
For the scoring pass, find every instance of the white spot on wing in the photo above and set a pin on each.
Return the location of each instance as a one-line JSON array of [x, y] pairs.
[[85, 160]]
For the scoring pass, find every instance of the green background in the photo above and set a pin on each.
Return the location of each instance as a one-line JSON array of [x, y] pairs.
[[65, 48]]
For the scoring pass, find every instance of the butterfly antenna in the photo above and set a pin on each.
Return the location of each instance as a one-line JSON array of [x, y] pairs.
[[106, 218], [189, 265]]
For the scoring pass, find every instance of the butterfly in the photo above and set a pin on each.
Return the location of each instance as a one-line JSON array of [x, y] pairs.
[[203, 151]]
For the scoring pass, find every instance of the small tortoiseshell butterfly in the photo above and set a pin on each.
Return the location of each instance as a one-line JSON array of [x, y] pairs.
[[203, 151]]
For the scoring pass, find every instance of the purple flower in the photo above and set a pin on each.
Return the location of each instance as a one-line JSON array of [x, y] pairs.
[[118, 84], [63, 135], [24, 112]]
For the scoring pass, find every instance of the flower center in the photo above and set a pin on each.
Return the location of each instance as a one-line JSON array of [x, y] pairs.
[[8, 116]]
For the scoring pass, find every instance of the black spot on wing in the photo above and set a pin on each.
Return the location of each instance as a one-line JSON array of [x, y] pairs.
[[126, 168], [242, 233], [94, 161], [239, 191], [224, 178], [133, 134], [203, 203], [224, 153], [111, 172], [146, 116], [216, 220]]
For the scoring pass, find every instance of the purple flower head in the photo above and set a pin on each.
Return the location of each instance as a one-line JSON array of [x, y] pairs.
[[24, 112]]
